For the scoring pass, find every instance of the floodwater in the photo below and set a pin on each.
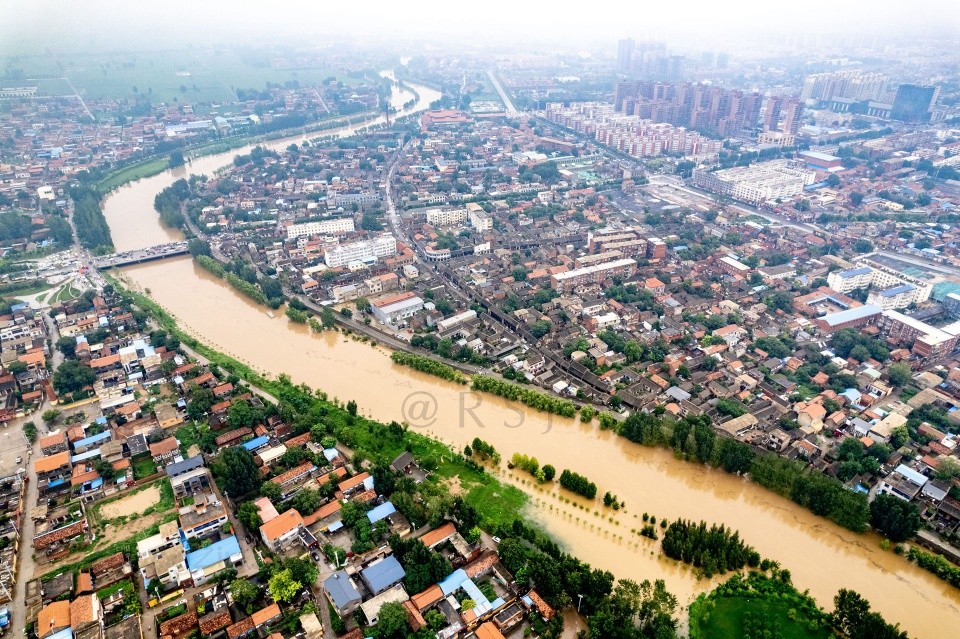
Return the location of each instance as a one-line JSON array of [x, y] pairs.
[[821, 556]]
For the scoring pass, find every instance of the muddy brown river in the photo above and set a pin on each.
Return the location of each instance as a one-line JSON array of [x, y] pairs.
[[821, 556]]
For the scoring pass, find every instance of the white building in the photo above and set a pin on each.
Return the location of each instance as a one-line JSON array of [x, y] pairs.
[[900, 296], [362, 251], [757, 183], [846, 281], [479, 219], [396, 307], [446, 217], [897, 290], [337, 226]]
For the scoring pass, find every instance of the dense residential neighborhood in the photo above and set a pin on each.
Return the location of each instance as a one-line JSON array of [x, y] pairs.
[[727, 284]]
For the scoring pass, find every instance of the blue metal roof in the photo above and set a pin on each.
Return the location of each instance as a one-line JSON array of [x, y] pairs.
[[453, 581], [256, 442], [383, 574], [92, 439], [220, 551], [896, 290], [863, 270], [833, 319], [380, 512], [341, 589], [90, 454]]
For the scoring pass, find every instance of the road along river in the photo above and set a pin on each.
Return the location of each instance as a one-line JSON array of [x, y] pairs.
[[821, 556]]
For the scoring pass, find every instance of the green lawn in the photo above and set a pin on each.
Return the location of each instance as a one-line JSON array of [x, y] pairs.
[[497, 502], [143, 466], [133, 173], [734, 617]]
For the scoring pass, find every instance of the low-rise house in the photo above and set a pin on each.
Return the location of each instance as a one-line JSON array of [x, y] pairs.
[[165, 450], [203, 518], [382, 574], [903, 482], [179, 626], [205, 563], [53, 472], [282, 532], [341, 592]]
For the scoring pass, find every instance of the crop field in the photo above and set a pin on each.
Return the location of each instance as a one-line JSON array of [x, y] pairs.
[[190, 76]]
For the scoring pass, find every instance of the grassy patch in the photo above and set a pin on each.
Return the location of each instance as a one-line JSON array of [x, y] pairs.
[[133, 172], [143, 466], [187, 435], [28, 289], [727, 619]]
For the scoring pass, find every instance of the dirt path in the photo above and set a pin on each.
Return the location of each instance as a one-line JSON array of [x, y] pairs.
[[131, 504], [110, 535]]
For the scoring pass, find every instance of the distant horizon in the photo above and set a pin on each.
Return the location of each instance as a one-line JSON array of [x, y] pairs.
[[63, 27]]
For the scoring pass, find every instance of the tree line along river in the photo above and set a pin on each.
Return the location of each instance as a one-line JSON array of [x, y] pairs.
[[822, 556]]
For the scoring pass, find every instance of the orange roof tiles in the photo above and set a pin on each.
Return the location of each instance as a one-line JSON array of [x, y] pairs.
[[293, 473], [240, 628], [214, 621], [84, 583], [437, 535], [488, 631], [179, 625], [52, 617], [545, 610], [102, 362], [107, 563], [84, 609], [322, 513], [53, 440], [264, 615], [281, 525], [164, 446], [51, 462], [427, 598], [353, 482]]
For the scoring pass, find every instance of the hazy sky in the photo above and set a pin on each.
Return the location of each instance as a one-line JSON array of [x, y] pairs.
[[63, 24]]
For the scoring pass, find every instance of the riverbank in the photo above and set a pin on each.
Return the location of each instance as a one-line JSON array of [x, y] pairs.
[[647, 479], [156, 164]]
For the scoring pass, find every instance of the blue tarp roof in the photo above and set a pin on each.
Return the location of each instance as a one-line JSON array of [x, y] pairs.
[[220, 551], [92, 439], [380, 512], [92, 485], [331, 453], [383, 574], [56, 482], [256, 443]]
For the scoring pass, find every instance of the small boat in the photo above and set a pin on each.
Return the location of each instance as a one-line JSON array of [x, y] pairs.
[[270, 314]]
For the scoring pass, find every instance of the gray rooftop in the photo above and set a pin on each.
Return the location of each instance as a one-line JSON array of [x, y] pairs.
[[181, 467]]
